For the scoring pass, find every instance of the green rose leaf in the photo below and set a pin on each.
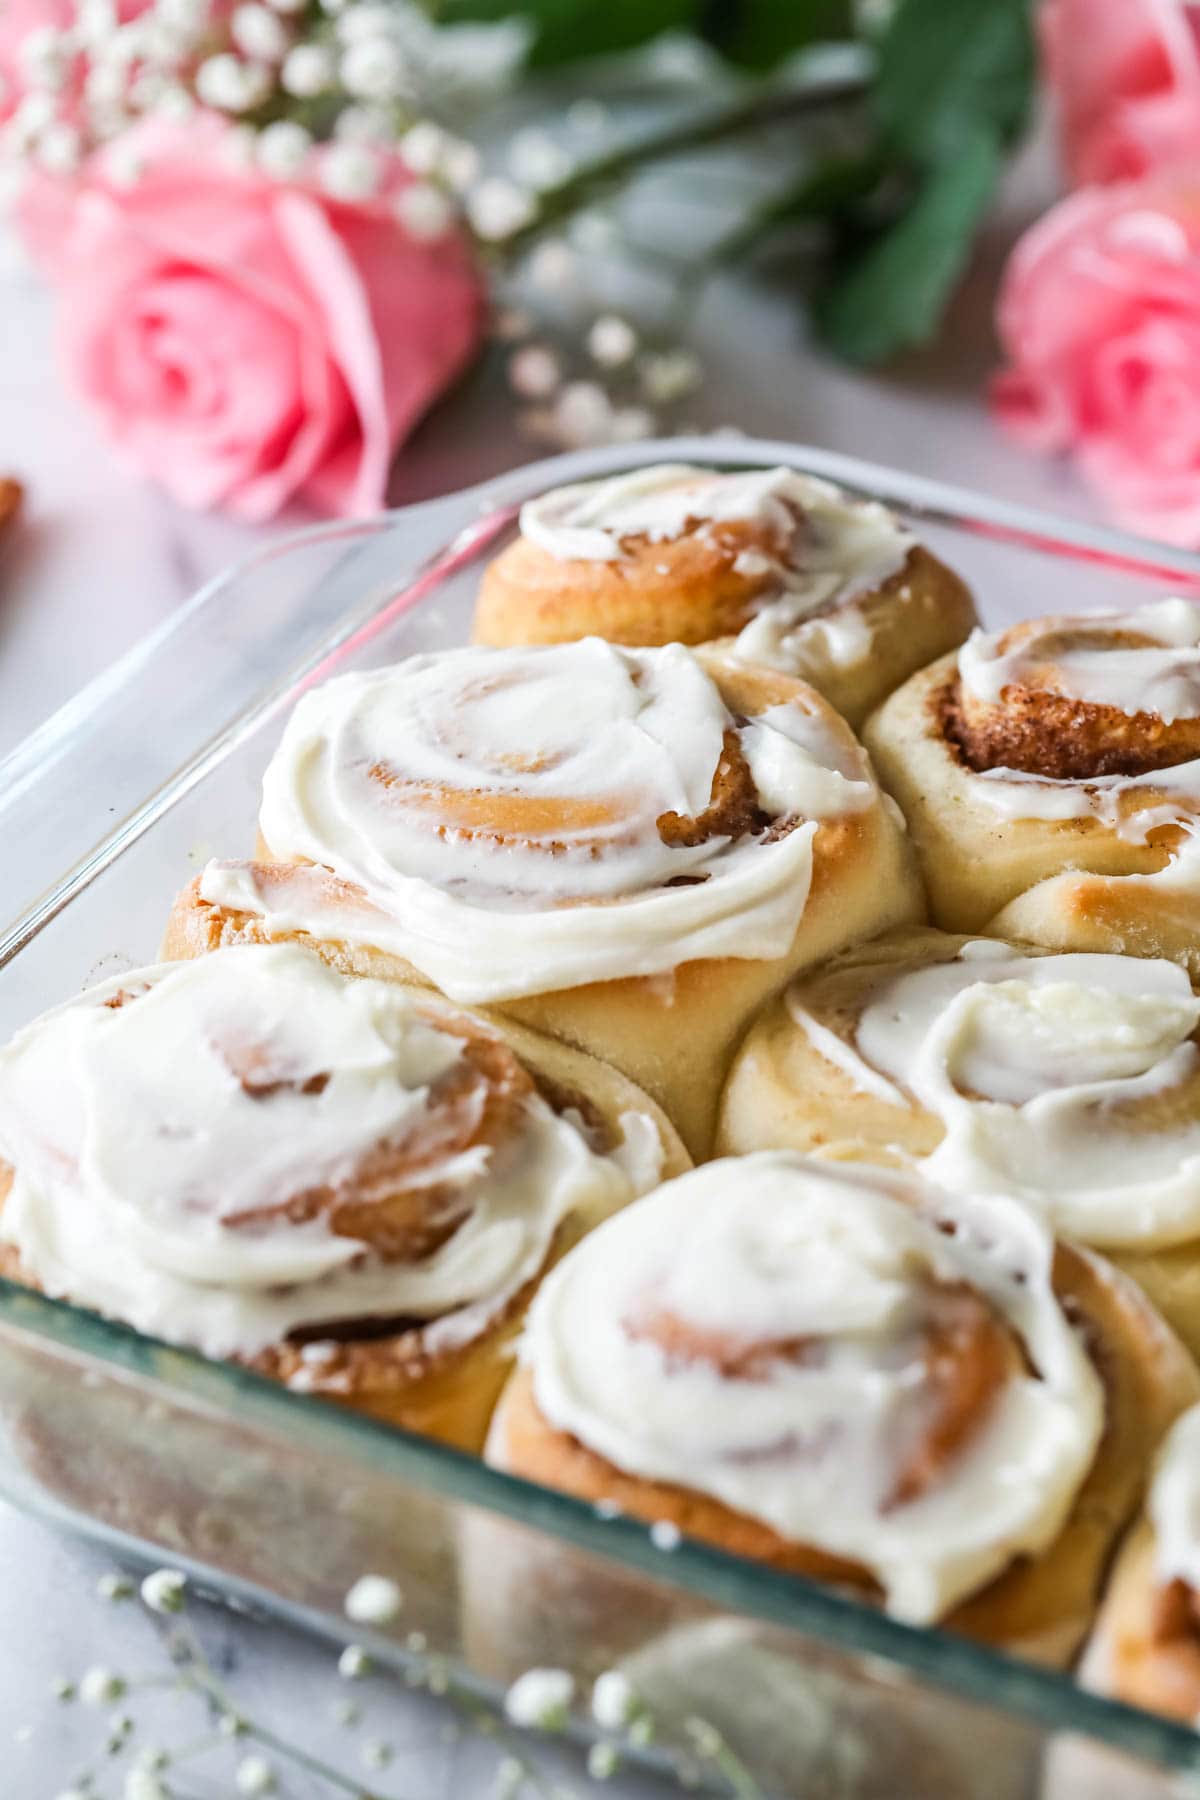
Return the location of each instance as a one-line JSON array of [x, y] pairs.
[[566, 30], [891, 293], [761, 33], [947, 68]]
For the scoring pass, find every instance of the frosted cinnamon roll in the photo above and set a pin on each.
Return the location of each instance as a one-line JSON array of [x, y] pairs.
[[840, 1372], [629, 849], [347, 1185], [786, 570], [1051, 778], [1146, 1646], [1071, 1082]]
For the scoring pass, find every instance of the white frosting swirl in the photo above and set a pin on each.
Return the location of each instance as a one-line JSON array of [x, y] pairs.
[[1174, 1503], [1036, 1068], [826, 548], [143, 1131], [775, 1249], [499, 809], [1161, 679]]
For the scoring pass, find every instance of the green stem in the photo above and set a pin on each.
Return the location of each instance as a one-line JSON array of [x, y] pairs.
[[748, 112]]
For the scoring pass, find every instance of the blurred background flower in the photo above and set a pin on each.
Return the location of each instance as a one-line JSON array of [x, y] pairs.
[[1099, 311]]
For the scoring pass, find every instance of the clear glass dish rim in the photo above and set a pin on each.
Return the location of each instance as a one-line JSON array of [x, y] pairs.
[[991, 1678]]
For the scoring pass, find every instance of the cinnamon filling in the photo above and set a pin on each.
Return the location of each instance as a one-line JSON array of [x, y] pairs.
[[1040, 729], [966, 1354], [393, 1202], [733, 809], [1175, 1614]]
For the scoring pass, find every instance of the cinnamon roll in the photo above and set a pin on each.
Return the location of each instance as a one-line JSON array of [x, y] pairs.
[[843, 1373], [347, 1185], [786, 570], [1070, 1081], [1146, 1646], [1051, 779], [628, 849]]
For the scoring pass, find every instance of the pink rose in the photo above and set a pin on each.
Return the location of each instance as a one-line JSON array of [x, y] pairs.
[[1126, 75], [1100, 317], [245, 342]]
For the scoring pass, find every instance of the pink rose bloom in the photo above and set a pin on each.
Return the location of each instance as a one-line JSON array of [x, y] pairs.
[[245, 342], [1126, 75], [1100, 317]]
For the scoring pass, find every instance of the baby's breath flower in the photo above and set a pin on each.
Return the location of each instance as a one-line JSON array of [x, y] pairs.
[[373, 1600], [425, 211], [308, 70], [552, 265], [630, 424], [460, 163], [498, 208], [612, 341], [45, 56], [376, 1753], [614, 1700], [254, 1777], [62, 1689], [350, 171], [364, 20], [670, 375], [373, 68], [602, 1762], [363, 125], [163, 1591], [282, 149], [143, 1784], [534, 372], [114, 1587], [226, 82], [540, 1699], [231, 1725], [259, 32], [423, 147], [537, 161], [353, 1663], [94, 20], [288, 6], [665, 1535], [100, 1687], [183, 15]]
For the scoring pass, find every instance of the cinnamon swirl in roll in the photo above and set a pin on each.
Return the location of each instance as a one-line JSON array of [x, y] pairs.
[[628, 849], [1070, 1081], [844, 1373], [1050, 774], [348, 1185], [1146, 1646], [785, 569]]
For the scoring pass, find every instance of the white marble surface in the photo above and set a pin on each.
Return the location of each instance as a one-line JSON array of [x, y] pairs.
[[100, 560]]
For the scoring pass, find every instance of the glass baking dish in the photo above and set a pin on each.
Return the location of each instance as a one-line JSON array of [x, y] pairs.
[[275, 1497]]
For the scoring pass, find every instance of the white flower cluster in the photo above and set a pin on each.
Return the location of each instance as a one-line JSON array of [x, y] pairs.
[[342, 88]]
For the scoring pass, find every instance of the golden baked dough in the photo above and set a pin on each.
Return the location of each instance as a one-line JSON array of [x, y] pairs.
[[1040, 1606], [1041, 809], [408, 1370], [674, 1031], [801, 1081], [712, 577]]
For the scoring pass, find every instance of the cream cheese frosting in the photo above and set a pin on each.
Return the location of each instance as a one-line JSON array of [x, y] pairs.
[[1036, 1067], [1067, 656], [499, 811], [827, 548], [1158, 674], [1174, 1503], [159, 1127], [776, 1249]]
